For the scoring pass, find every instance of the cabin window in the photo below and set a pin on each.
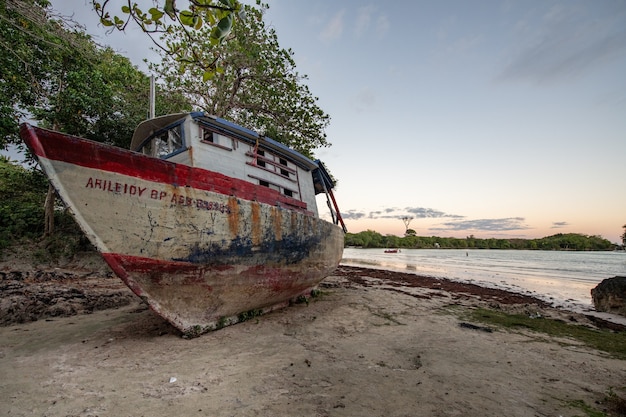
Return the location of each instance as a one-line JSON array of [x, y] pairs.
[[260, 162], [289, 192], [283, 163], [164, 143], [273, 163], [207, 135], [216, 139]]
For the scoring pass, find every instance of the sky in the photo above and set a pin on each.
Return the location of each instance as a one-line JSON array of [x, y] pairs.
[[488, 118]]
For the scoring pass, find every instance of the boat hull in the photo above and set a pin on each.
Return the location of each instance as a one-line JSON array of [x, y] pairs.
[[201, 249]]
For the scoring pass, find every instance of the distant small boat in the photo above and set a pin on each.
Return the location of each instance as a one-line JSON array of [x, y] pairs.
[[392, 250], [208, 222]]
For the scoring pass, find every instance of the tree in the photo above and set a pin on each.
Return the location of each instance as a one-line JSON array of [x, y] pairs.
[[21, 208], [36, 44], [407, 220], [215, 18], [61, 78], [29, 39], [54, 73], [100, 95], [624, 236], [392, 241], [257, 85]]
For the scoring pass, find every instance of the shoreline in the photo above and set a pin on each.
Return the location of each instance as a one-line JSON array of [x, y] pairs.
[[373, 343], [31, 294], [475, 286], [564, 278], [497, 295]]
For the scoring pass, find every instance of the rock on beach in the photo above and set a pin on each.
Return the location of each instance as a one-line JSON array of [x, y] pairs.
[[610, 296]]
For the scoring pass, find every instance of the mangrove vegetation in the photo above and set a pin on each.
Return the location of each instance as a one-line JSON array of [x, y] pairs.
[[560, 241]]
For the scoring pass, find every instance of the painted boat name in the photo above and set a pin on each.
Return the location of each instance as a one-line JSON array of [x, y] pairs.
[[123, 188]]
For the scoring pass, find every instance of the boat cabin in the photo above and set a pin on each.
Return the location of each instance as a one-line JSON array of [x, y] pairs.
[[207, 142]]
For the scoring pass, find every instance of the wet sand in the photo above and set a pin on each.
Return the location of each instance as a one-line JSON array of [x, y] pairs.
[[375, 343]]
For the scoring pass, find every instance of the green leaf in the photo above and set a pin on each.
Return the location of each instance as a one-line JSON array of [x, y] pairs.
[[106, 22], [222, 29], [156, 13], [226, 23], [186, 17], [207, 75], [170, 9], [125, 9]]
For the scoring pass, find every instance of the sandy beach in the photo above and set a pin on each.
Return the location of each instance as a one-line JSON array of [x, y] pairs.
[[374, 343]]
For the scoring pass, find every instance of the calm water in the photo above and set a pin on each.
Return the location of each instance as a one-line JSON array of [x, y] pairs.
[[562, 278]]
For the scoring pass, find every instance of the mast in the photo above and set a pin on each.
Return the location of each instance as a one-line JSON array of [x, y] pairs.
[[151, 115]]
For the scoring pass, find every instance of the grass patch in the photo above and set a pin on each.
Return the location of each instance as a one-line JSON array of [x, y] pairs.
[[604, 340], [588, 410], [615, 403], [612, 404]]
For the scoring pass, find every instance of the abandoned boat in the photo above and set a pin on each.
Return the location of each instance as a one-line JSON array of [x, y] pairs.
[[206, 221]]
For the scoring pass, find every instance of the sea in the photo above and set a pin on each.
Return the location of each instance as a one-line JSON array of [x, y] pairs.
[[562, 278]]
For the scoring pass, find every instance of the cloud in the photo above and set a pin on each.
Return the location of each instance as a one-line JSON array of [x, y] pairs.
[[352, 215], [490, 225], [364, 18], [456, 224], [428, 213], [565, 43], [398, 213], [558, 225], [334, 28], [382, 25]]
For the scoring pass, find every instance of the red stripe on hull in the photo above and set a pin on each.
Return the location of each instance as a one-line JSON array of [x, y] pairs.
[[82, 152]]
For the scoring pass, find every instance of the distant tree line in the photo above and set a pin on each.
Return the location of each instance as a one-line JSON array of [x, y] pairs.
[[560, 241]]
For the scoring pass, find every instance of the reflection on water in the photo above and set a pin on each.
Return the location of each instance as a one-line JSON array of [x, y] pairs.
[[562, 278]]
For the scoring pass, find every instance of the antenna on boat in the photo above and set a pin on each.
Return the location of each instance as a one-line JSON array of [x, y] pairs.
[[151, 115]]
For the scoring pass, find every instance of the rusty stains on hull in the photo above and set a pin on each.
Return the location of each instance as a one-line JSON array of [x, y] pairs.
[[277, 223], [255, 214]]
